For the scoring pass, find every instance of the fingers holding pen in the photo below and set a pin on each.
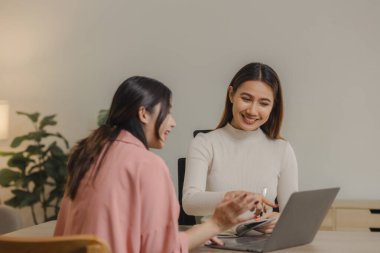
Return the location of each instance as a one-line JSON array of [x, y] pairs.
[[236, 204], [227, 212], [261, 206], [269, 202], [259, 201], [240, 202], [268, 228], [254, 202], [233, 194]]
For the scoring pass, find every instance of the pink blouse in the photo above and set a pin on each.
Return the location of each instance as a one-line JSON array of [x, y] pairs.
[[131, 204]]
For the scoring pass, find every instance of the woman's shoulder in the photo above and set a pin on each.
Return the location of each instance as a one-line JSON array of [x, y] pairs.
[[150, 158], [145, 164], [135, 153], [280, 141], [207, 140], [281, 144], [210, 135]]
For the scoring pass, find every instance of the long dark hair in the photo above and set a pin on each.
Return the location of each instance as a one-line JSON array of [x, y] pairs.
[[133, 93], [258, 72]]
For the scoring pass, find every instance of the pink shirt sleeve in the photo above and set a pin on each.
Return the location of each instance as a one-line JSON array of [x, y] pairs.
[[160, 210], [131, 204]]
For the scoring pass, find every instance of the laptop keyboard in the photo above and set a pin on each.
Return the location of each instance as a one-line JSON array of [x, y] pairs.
[[248, 240], [245, 243]]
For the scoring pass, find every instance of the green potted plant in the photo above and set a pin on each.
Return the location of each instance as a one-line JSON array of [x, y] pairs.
[[102, 116], [37, 173]]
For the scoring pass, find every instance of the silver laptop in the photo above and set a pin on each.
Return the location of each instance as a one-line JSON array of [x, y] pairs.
[[299, 222]]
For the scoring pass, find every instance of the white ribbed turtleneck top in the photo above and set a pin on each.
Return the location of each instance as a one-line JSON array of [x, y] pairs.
[[229, 159]]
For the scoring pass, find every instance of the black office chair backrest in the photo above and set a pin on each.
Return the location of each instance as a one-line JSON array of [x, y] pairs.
[[200, 131], [185, 219]]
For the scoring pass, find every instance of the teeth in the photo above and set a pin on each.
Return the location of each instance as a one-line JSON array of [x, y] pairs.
[[249, 118]]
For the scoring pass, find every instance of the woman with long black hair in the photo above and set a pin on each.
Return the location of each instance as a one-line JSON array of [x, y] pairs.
[[120, 191]]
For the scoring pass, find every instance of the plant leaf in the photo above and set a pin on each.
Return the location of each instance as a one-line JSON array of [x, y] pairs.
[[8, 176], [17, 141], [62, 138], [48, 121], [32, 116], [38, 178], [54, 194], [51, 169], [19, 161], [102, 116], [32, 136], [35, 149], [23, 198], [2, 153], [13, 202], [56, 150]]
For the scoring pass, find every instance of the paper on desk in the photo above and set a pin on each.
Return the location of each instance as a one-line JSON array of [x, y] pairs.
[[247, 226]]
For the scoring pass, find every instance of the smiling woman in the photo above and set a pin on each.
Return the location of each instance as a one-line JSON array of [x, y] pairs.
[[253, 103], [246, 152]]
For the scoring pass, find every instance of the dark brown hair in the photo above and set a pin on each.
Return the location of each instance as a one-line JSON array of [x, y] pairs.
[[258, 72], [133, 93]]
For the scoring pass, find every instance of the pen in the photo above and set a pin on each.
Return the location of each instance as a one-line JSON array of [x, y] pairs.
[[264, 194]]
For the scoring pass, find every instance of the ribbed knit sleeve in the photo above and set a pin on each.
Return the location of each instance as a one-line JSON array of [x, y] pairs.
[[229, 159], [288, 178], [196, 200]]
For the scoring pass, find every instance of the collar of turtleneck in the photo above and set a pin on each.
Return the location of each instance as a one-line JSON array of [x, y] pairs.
[[242, 134]]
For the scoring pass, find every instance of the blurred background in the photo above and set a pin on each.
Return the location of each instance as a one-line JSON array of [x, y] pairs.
[[68, 58]]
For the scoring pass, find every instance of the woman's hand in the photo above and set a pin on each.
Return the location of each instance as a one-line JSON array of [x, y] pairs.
[[233, 194], [227, 213], [259, 208], [212, 240], [268, 228]]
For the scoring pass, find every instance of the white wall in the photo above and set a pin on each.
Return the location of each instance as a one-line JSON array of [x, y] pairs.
[[68, 57]]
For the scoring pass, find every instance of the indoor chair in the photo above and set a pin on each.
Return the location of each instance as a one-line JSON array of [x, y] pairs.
[[59, 244], [10, 219], [185, 219]]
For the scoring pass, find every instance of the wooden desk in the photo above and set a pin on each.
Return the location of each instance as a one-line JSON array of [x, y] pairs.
[[324, 242], [328, 242], [43, 229], [341, 213]]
